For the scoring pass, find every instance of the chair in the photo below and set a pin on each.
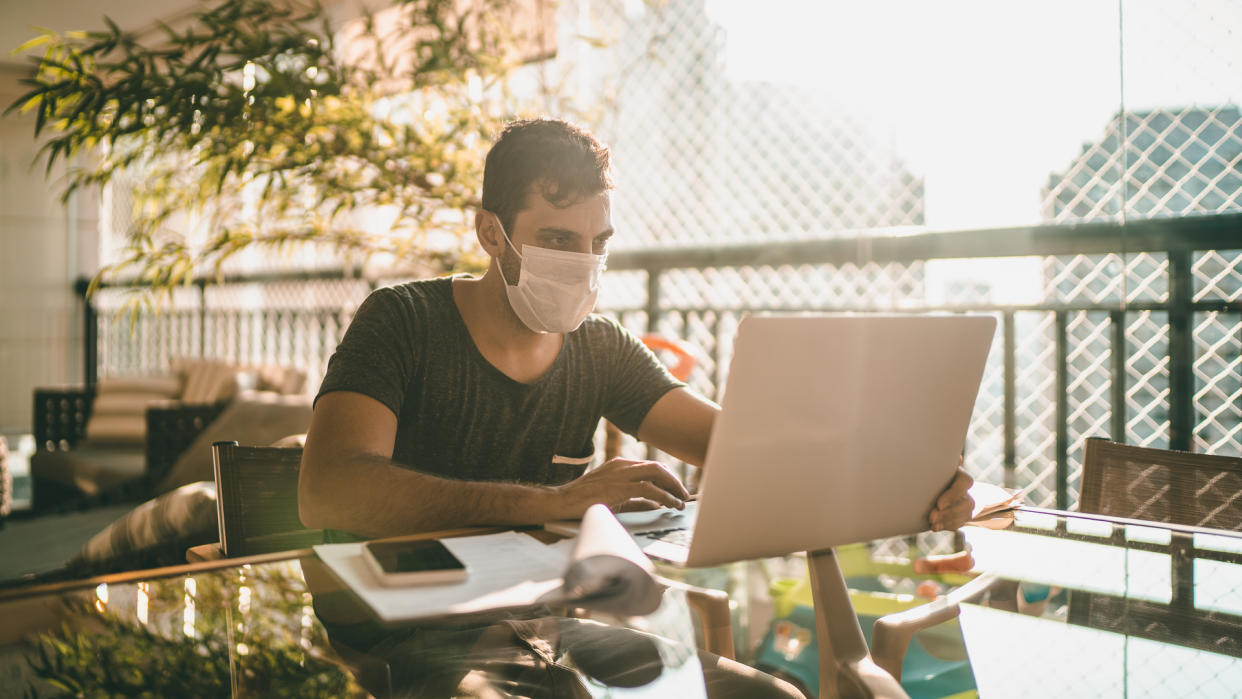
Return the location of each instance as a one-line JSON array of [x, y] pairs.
[[257, 499], [67, 470], [1159, 485], [1171, 487]]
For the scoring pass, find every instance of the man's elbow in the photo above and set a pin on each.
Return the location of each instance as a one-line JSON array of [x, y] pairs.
[[313, 507]]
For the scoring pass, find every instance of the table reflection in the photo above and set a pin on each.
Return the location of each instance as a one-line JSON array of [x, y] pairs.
[[290, 628]]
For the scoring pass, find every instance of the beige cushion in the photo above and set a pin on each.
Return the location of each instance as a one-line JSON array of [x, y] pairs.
[[254, 417], [124, 428], [281, 379], [177, 518], [206, 381], [194, 375], [118, 414], [124, 403], [224, 384], [166, 386]]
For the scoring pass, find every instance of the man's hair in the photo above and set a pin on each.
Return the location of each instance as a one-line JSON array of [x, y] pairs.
[[564, 161]]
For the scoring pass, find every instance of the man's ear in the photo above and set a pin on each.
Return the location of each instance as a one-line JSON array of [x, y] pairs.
[[487, 230]]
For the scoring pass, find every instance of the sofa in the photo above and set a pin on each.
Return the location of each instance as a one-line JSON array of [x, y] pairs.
[[134, 437]]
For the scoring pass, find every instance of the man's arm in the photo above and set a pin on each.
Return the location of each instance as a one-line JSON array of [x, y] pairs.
[[349, 482], [680, 423]]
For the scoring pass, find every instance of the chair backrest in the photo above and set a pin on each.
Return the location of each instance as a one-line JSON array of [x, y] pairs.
[[1159, 485], [257, 499]]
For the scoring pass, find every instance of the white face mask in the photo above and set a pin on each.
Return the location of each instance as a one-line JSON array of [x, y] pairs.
[[556, 289]]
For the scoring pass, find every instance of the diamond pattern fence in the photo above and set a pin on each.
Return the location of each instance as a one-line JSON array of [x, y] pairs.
[[1076, 364], [1096, 355], [294, 322]]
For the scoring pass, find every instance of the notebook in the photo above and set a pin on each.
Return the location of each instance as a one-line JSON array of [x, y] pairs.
[[833, 429]]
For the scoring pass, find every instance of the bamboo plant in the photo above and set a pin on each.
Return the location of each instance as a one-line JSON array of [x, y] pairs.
[[263, 123]]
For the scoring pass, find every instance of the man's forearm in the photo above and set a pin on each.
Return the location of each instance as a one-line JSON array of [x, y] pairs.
[[370, 496]]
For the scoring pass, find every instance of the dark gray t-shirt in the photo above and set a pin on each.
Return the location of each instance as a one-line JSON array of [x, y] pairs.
[[460, 417]]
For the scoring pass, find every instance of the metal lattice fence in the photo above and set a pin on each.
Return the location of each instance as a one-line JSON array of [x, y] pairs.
[[1094, 355]]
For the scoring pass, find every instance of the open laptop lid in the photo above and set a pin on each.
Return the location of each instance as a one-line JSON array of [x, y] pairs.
[[836, 429]]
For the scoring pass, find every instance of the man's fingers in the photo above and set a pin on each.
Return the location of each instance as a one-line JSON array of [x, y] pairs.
[[956, 489], [637, 505], [656, 473], [655, 493], [651, 471], [954, 516]]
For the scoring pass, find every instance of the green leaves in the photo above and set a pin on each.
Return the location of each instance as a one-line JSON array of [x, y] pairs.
[[107, 651], [250, 125]]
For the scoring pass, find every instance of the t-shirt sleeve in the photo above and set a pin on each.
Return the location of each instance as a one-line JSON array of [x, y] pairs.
[[375, 356], [638, 380]]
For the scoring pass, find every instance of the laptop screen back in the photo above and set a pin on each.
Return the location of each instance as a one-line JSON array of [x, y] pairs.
[[836, 429]]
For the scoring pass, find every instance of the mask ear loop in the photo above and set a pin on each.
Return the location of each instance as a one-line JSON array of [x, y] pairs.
[[508, 241]]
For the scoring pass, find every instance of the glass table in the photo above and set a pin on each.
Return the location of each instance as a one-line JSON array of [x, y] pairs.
[[1074, 605]]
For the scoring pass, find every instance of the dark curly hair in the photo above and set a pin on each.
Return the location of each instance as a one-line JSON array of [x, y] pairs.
[[565, 161]]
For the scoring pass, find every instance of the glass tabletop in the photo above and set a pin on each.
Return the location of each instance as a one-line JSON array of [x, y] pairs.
[[289, 627], [1073, 605], [1097, 606]]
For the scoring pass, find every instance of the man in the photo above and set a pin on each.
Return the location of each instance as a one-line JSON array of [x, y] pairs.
[[462, 402], [467, 401]]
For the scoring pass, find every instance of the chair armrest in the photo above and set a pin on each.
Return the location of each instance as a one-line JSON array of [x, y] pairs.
[[171, 426], [715, 616], [60, 416], [892, 633]]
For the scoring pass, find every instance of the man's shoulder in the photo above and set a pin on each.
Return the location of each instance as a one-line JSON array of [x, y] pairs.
[[418, 296], [433, 288]]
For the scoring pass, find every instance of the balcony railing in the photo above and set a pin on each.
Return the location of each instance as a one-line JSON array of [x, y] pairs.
[[1126, 331]]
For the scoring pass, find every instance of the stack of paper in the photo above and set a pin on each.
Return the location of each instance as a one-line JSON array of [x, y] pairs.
[[602, 568]]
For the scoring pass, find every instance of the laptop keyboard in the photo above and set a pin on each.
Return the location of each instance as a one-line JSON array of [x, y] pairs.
[[679, 536]]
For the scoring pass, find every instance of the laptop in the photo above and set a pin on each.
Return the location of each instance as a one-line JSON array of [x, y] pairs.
[[833, 429]]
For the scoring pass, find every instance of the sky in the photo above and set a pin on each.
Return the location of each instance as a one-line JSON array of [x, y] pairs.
[[985, 99]]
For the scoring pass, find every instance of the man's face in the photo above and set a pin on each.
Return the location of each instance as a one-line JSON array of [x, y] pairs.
[[584, 226]]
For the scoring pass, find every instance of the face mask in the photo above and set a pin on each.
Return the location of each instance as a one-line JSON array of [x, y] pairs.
[[556, 289]]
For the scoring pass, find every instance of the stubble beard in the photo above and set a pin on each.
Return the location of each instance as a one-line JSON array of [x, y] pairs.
[[510, 265]]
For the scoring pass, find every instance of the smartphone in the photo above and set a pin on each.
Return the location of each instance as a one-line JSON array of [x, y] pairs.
[[424, 562]]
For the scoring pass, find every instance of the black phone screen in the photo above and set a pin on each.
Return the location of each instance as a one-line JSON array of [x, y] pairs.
[[413, 556]]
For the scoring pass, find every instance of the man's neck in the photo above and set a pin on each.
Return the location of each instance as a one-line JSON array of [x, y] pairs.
[[500, 336]]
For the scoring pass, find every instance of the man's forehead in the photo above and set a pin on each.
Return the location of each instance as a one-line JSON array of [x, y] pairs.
[[547, 191], [537, 205]]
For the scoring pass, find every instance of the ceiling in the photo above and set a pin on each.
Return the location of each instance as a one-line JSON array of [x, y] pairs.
[[22, 19]]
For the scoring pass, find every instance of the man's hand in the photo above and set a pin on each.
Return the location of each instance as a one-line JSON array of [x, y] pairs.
[[622, 485], [954, 506]]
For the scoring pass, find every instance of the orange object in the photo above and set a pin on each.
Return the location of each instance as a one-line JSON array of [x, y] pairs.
[[685, 361], [929, 589], [959, 562]]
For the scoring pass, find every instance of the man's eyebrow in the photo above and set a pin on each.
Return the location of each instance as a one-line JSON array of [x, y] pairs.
[[552, 230]]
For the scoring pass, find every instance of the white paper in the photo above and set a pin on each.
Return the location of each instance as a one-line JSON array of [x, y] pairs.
[[607, 571], [503, 570], [602, 568]]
